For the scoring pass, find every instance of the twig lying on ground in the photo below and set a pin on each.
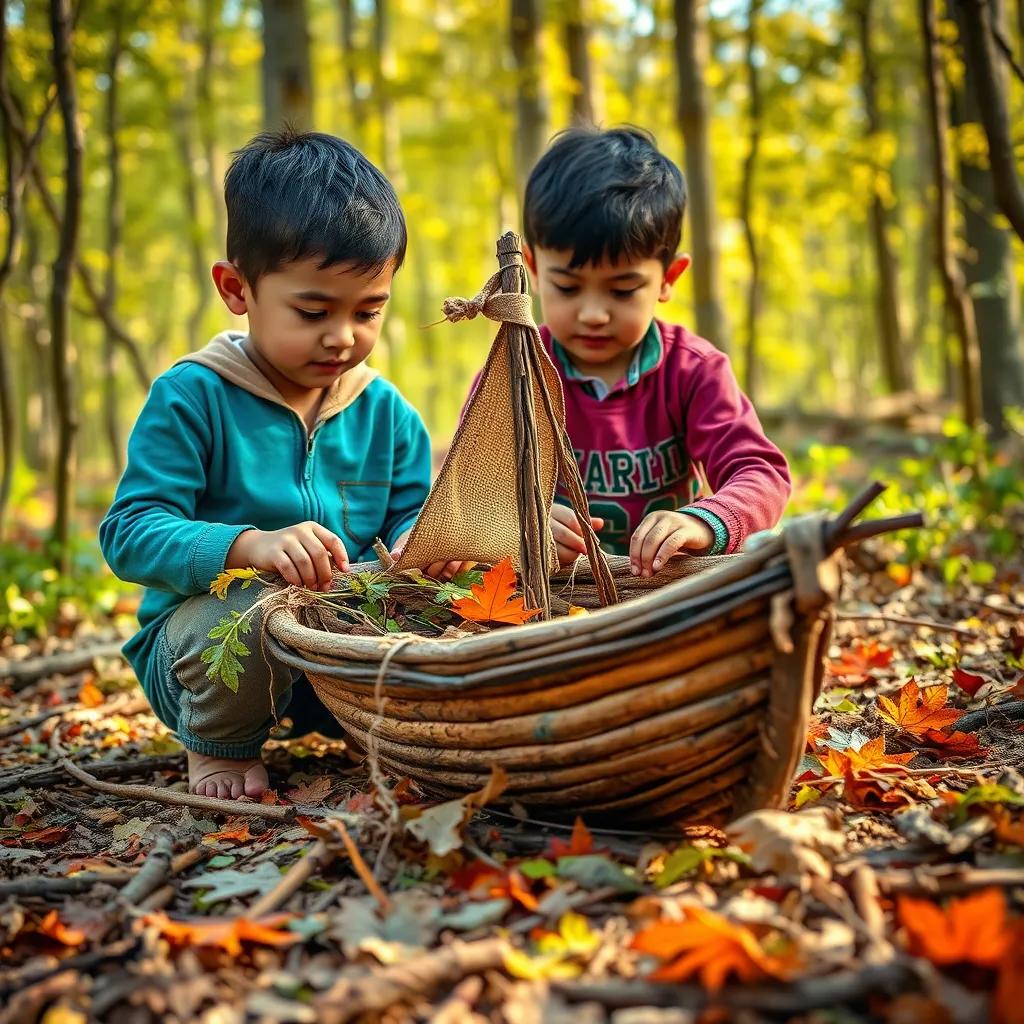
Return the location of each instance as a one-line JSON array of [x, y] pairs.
[[899, 620], [297, 875], [49, 775], [20, 674], [420, 975]]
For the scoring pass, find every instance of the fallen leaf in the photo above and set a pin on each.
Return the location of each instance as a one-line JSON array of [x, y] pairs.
[[312, 793], [1008, 1000], [61, 1013], [711, 947], [856, 665], [1006, 829], [229, 883], [53, 928], [969, 682], [871, 755], [971, 929], [239, 834], [492, 601], [873, 791], [440, 827], [580, 842], [592, 871], [133, 827], [91, 695], [918, 711], [790, 845], [954, 744], [227, 935], [42, 836]]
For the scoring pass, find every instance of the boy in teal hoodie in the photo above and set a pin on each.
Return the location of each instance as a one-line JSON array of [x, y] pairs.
[[276, 449]]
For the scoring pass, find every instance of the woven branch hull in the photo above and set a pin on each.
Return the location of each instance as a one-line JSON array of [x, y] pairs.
[[676, 704]]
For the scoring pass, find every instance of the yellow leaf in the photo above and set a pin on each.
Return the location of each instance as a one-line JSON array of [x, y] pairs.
[[91, 695], [220, 585]]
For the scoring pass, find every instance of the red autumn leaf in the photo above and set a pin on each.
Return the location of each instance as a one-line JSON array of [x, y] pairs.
[[969, 682], [312, 793], [91, 695], [227, 935], [484, 881], [42, 837], [968, 930], [581, 842], [492, 600], [711, 947], [53, 928], [953, 744], [918, 710], [361, 803], [855, 665]]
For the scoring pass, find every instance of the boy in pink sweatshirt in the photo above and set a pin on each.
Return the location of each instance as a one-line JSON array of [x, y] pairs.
[[646, 402]]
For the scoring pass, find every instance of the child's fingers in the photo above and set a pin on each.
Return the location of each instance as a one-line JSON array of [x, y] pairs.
[[334, 545], [564, 515], [321, 559], [568, 538], [670, 546], [294, 549], [286, 568]]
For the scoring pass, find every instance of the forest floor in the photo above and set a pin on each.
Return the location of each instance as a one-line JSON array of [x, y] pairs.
[[887, 892]]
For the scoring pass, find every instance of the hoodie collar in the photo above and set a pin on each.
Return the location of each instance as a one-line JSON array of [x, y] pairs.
[[226, 357]]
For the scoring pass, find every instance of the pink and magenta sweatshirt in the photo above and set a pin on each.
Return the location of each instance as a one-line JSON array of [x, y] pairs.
[[638, 446]]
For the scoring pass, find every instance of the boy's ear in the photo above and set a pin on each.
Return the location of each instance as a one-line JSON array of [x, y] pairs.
[[231, 286], [675, 270], [531, 263]]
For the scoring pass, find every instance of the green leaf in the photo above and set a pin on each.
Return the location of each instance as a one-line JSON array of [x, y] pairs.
[[231, 883], [593, 871], [537, 868]]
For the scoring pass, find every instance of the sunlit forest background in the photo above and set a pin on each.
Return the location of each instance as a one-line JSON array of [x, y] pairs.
[[852, 238]]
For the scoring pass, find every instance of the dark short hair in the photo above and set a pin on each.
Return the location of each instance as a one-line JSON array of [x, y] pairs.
[[295, 195], [605, 193]]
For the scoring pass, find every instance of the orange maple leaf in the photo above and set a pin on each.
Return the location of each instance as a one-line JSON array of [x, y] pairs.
[[919, 711], [53, 928], [870, 757], [492, 600], [91, 695], [855, 665], [1006, 829], [953, 744], [873, 791], [1009, 994], [225, 934], [484, 880], [968, 930], [238, 833], [712, 947], [581, 842]]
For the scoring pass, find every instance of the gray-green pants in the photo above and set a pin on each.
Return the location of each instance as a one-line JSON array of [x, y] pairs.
[[207, 717]]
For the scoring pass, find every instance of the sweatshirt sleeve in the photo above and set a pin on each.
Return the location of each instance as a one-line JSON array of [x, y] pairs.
[[410, 481], [150, 535], [747, 473]]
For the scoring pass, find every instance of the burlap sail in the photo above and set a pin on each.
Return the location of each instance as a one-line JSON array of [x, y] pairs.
[[472, 511]]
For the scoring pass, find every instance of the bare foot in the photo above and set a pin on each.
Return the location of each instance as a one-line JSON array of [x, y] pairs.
[[225, 777]]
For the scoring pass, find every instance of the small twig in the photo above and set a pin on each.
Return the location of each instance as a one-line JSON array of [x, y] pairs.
[[383, 555], [154, 872], [899, 620], [443, 968], [946, 881], [360, 865], [1012, 612], [13, 728], [50, 775], [292, 881], [268, 812], [864, 887]]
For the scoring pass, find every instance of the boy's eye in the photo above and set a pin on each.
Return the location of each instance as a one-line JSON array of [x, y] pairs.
[[624, 293], [368, 314], [312, 314], [566, 289]]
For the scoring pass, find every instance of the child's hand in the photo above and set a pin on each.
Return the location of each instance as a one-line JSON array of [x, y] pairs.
[[439, 570], [568, 534], [301, 554], [664, 534]]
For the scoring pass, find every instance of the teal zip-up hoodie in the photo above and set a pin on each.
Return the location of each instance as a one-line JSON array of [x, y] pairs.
[[216, 450]]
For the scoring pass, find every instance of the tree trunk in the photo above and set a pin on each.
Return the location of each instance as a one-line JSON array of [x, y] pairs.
[[989, 86], [61, 342], [988, 268], [287, 75], [356, 106], [390, 155], [183, 114], [14, 183], [960, 309], [691, 53], [577, 47], [890, 328], [531, 106], [36, 427], [115, 219], [747, 197], [208, 118]]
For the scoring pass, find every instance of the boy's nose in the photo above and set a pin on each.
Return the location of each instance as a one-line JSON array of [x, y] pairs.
[[338, 339], [594, 316]]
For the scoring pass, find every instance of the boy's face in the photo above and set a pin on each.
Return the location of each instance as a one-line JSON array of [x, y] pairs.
[[309, 324], [600, 312]]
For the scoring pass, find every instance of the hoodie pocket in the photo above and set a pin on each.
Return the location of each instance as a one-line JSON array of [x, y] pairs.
[[364, 508]]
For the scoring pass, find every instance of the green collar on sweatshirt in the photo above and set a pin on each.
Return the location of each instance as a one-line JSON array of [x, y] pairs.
[[646, 357]]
